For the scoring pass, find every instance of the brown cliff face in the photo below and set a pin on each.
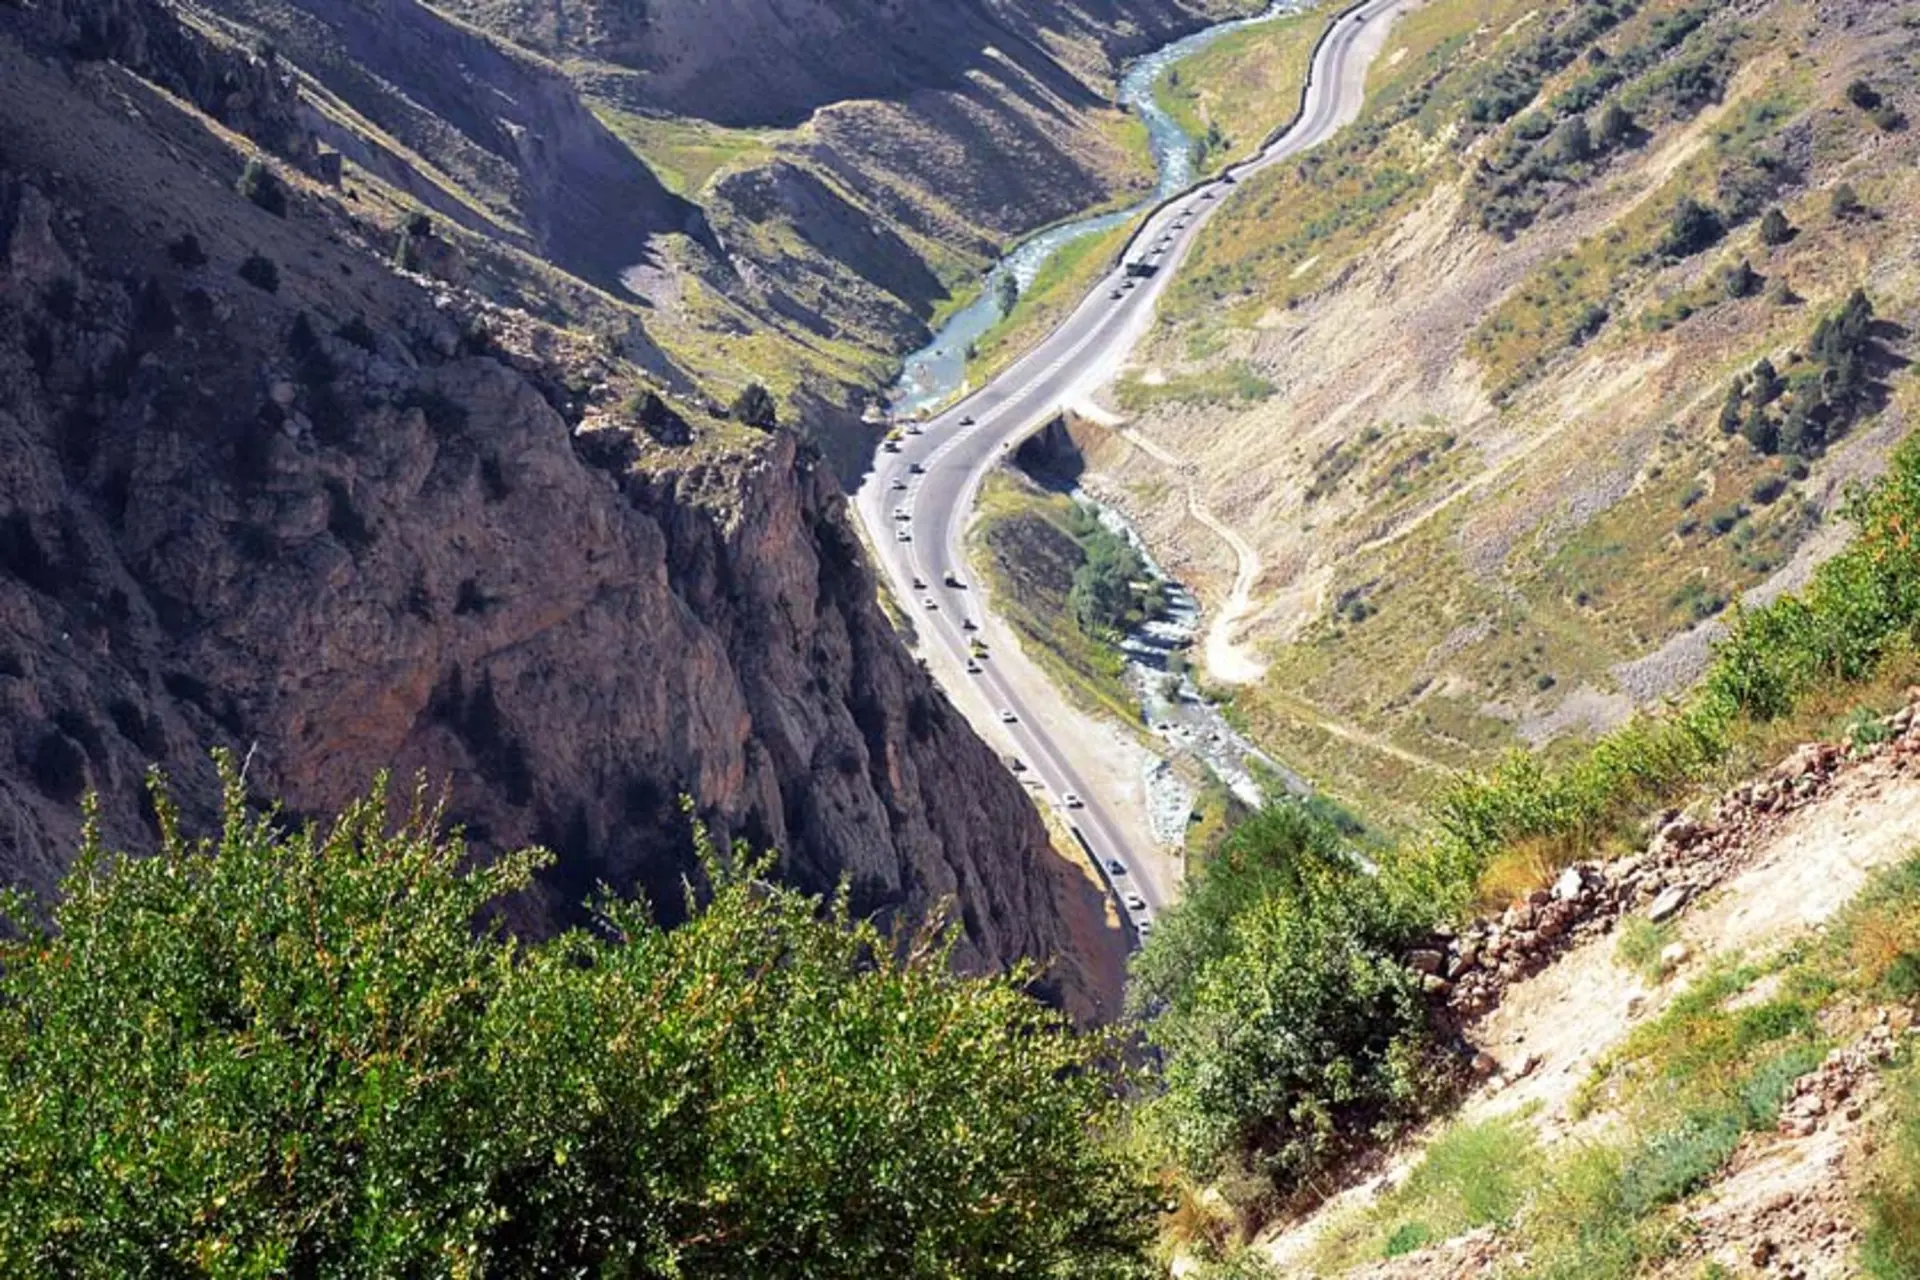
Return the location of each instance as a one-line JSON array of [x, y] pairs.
[[336, 525]]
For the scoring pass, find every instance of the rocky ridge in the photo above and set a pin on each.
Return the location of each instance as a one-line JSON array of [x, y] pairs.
[[261, 489], [1466, 973]]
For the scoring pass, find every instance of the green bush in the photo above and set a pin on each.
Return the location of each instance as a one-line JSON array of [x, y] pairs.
[[1691, 228], [1775, 230], [271, 1054], [258, 184], [1290, 1029], [754, 406], [259, 271]]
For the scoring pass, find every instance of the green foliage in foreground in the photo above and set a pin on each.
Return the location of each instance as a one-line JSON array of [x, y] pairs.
[[1291, 1029], [1861, 606], [271, 1055]]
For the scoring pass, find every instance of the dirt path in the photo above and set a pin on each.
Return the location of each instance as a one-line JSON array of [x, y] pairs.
[[1227, 661]]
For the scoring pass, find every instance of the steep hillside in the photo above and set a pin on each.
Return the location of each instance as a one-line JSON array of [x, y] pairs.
[[1520, 384], [858, 164], [279, 477]]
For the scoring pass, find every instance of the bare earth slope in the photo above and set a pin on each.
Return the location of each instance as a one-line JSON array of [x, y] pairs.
[[1460, 391], [1766, 872]]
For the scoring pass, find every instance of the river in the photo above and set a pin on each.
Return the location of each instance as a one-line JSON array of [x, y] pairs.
[[937, 372]]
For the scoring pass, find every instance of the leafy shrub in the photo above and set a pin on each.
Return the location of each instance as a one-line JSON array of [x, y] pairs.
[[1290, 1029], [1692, 228], [1863, 95], [270, 1054], [258, 184], [754, 406], [1844, 202], [186, 251], [259, 271], [1775, 230], [1741, 280]]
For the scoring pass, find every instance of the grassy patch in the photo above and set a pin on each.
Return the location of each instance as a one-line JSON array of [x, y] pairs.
[[1023, 542], [686, 154], [1057, 288], [1228, 385], [1239, 89], [1473, 1175]]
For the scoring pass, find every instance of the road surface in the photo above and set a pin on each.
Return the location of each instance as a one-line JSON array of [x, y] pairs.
[[926, 490]]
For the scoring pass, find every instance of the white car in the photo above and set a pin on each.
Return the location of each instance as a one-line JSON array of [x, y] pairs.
[[1072, 801], [901, 513], [1007, 717], [905, 536], [1136, 903], [931, 603], [898, 486]]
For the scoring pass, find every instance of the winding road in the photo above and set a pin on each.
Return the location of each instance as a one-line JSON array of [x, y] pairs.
[[916, 502]]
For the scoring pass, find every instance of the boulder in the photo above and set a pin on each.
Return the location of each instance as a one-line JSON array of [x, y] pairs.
[[1668, 904]]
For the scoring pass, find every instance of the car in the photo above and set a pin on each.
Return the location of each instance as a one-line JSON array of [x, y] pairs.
[[953, 580], [974, 668], [967, 420], [1227, 179], [1136, 903], [930, 603], [1206, 195], [914, 468], [1116, 295], [1007, 717], [891, 446], [968, 624], [901, 513], [1144, 928], [898, 486], [1016, 764], [916, 430], [1115, 867], [1129, 284], [1072, 801], [905, 536]]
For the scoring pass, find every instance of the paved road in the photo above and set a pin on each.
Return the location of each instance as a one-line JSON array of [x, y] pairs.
[[935, 477]]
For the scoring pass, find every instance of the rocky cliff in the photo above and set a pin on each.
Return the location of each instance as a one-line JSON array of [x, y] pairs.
[[259, 489]]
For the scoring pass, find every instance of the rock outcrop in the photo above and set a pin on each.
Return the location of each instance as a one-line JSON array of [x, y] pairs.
[[1466, 974], [258, 489]]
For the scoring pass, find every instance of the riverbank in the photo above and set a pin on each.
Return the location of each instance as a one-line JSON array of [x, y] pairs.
[[981, 337]]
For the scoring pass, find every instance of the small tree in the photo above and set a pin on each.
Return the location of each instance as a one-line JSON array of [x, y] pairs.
[[1573, 144], [1616, 126], [257, 183], [1006, 292], [1844, 202], [1733, 408], [1775, 230], [1766, 382], [1693, 227], [754, 406], [1761, 431], [1863, 95]]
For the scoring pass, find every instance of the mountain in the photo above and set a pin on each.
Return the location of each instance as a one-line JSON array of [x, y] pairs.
[[296, 467], [1519, 386]]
